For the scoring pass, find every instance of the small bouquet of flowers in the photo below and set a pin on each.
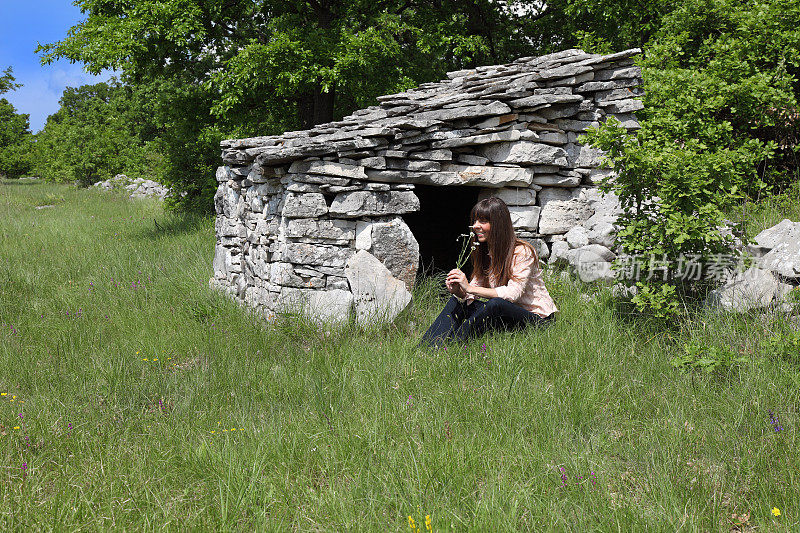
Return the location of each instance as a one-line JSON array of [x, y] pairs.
[[468, 244]]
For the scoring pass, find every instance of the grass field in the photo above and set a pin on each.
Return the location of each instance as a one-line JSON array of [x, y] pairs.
[[135, 398]]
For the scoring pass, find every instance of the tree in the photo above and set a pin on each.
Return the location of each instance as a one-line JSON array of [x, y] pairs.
[[99, 131], [257, 67], [8, 81], [15, 133]]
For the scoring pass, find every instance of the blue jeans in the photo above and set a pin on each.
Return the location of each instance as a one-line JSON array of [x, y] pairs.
[[459, 321]]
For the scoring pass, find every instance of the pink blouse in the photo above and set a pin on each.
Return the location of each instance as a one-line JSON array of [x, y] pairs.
[[525, 288]]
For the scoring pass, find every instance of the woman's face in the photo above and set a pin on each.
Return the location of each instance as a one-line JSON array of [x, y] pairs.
[[482, 229]]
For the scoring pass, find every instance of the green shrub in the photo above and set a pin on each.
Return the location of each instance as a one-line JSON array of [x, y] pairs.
[[718, 77], [709, 359]]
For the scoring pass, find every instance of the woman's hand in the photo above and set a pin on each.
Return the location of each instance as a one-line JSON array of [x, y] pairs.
[[457, 283]]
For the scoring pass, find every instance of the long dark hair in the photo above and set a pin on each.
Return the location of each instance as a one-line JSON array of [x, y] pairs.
[[495, 257]]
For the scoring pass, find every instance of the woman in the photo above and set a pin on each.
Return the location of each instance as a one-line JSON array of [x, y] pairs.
[[505, 272]]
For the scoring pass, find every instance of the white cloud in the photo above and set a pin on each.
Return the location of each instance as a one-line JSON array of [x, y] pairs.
[[42, 88]]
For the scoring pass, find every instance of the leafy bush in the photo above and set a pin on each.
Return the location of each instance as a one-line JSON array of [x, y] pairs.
[[709, 359], [718, 77], [784, 345]]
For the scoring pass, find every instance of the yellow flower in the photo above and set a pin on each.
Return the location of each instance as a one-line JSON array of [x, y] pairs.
[[411, 523], [16, 427], [428, 523], [3, 394], [776, 511]]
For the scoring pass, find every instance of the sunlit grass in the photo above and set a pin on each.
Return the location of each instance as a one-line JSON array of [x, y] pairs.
[[149, 401]]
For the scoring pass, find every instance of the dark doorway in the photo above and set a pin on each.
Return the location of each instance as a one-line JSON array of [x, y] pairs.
[[443, 216]]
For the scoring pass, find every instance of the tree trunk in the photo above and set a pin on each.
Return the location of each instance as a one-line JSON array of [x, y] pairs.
[[315, 107]]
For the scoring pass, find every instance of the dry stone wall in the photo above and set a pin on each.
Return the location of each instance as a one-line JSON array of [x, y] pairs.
[[315, 218]]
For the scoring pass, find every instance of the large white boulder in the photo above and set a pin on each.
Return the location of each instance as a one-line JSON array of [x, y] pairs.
[[779, 247], [321, 306], [395, 246], [378, 296], [592, 262], [753, 288]]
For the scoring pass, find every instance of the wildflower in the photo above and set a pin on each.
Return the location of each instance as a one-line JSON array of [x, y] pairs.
[[412, 524], [773, 419], [468, 244], [428, 525], [16, 427], [776, 511]]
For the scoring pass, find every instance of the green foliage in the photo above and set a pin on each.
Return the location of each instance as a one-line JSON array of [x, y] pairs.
[[99, 131], [608, 25], [237, 69], [15, 133], [784, 344], [709, 359], [717, 75], [657, 300], [8, 81]]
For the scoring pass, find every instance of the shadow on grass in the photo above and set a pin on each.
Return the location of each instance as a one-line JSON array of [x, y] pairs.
[[174, 224]]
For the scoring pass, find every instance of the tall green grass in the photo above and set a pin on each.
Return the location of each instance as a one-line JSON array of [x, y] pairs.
[[150, 402]]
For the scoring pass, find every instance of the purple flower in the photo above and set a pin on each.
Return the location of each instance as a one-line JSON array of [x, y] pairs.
[[773, 419]]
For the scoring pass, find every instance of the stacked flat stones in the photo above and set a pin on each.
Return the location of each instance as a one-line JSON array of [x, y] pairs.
[[299, 214]]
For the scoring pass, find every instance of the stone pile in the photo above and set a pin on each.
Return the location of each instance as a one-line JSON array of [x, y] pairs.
[[774, 275], [138, 188], [315, 218]]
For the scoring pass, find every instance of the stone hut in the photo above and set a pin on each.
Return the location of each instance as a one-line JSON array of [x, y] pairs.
[[344, 215]]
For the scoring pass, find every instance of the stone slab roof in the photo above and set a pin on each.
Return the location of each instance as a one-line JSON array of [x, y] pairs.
[[442, 114]]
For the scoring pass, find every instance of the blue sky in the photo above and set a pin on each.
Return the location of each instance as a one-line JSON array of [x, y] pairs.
[[23, 25]]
